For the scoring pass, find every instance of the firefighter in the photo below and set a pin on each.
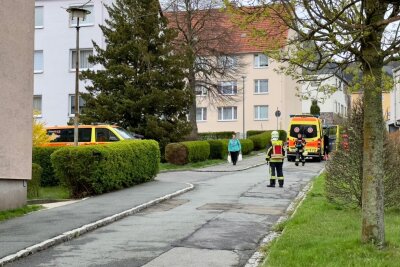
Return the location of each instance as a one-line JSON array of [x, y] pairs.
[[275, 157], [300, 143]]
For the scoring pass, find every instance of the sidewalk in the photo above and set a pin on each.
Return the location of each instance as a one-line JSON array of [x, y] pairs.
[[38, 230]]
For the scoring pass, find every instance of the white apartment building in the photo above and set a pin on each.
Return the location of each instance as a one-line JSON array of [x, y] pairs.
[[332, 106], [54, 60], [394, 118]]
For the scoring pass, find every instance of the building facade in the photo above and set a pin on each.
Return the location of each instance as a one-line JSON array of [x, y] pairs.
[[54, 58], [334, 107], [393, 121], [253, 95], [16, 88]]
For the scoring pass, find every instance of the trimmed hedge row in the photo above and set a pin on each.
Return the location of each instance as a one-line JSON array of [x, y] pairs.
[[218, 148], [41, 156], [254, 132], [34, 183], [93, 170], [261, 140], [247, 146], [216, 135]]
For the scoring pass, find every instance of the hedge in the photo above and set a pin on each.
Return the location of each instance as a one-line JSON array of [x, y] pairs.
[[176, 153], [34, 183], [261, 140], [218, 148], [247, 146], [93, 170], [41, 156], [254, 132], [215, 135], [197, 150]]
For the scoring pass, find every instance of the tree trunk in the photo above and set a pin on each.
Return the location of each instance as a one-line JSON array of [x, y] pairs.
[[373, 228], [192, 111]]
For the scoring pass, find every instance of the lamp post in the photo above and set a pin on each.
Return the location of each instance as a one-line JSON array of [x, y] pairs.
[[78, 13], [244, 129]]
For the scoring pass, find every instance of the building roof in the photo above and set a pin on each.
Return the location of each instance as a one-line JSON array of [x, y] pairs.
[[220, 24]]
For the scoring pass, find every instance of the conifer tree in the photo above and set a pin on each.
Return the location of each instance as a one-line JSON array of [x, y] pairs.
[[141, 86], [314, 109]]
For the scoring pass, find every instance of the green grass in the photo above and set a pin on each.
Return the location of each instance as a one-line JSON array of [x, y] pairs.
[[322, 234], [53, 193], [9, 214]]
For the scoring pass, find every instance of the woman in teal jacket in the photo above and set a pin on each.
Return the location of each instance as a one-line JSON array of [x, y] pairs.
[[234, 148]]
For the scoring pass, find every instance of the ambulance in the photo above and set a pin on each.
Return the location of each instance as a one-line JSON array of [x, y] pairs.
[[310, 127]]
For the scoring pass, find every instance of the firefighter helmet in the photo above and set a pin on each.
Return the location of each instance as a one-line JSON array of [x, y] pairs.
[[274, 136]]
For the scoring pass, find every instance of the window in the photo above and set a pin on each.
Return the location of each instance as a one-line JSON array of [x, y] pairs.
[[260, 61], [37, 105], [260, 86], [228, 88], [200, 90], [315, 83], [67, 135], [38, 61], [308, 131], [89, 20], [260, 112], [202, 64], [227, 113], [105, 135], [201, 114], [83, 59], [72, 105], [38, 17], [227, 62]]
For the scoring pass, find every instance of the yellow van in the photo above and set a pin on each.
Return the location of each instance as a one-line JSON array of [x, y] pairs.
[[88, 135], [311, 128]]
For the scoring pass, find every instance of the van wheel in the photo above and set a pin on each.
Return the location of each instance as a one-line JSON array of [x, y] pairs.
[[318, 159], [291, 158]]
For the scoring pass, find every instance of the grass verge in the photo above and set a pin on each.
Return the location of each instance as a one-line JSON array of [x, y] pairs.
[[53, 193], [323, 234], [9, 214]]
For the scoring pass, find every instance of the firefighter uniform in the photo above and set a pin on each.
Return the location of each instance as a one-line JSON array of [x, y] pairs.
[[275, 157]]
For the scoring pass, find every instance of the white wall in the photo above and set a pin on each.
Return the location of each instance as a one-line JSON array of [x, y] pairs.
[[326, 104], [56, 39]]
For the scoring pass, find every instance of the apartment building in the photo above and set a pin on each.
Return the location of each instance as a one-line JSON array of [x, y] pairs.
[[54, 56], [16, 87], [333, 107], [256, 91], [393, 122], [253, 95]]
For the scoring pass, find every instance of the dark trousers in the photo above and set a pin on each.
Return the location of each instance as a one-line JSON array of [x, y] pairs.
[[276, 170], [234, 156]]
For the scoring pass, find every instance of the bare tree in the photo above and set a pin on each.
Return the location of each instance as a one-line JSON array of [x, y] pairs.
[[344, 33], [204, 36]]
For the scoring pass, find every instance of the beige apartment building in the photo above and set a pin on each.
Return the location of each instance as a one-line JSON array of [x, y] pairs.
[[16, 92], [386, 103], [255, 92]]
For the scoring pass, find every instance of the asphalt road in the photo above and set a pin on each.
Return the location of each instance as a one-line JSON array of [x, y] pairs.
[[220, 223]]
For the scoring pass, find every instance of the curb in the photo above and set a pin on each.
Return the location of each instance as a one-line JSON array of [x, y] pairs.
[[250, 167], [256, 258], [88, 227]]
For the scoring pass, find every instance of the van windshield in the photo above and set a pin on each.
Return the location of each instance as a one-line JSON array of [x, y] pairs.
[[124, 133], [308, 131]]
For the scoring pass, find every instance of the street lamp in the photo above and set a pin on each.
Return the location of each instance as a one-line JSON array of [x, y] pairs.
[[244, 129], [78, 13]]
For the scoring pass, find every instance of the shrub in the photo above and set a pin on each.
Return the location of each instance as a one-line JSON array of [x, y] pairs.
[[247, 146], [254, 132], [282, 135], [34, 183], [215, 135], [218, 148], [93, 170], [344, 171], [176, 153], [197, 150], [260, 141], [41, 156]]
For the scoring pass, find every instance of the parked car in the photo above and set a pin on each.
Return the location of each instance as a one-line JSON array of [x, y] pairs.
[[88, 135]]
